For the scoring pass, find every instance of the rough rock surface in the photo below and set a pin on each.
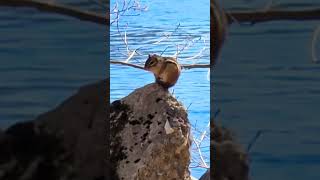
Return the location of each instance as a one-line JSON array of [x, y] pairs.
[[66, 143], [229, 160], [150, 136]]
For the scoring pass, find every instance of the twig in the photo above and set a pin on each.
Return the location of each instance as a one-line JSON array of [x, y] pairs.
[[126, 7], [197, 55], [253, 141], [216, 113], [200, 154], [189, 106], [203, 135], [131, 54], [167, 36]]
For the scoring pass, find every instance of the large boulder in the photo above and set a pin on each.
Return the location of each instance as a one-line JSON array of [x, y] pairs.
[[150, 136], [67, 143]]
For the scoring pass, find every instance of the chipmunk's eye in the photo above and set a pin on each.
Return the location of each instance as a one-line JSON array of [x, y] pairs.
[[153, 63]]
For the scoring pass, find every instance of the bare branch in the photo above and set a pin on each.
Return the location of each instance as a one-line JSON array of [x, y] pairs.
[[262, 16], [167, 36], [253, 17], [192, 66], [60, 9], [127, 64], [203, 162], [183, 66]]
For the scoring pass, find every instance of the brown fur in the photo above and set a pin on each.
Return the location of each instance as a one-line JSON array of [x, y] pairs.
[[165, 69]]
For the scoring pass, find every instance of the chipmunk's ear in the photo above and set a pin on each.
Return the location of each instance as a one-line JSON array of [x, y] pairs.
[[149, 55], [175, 58]]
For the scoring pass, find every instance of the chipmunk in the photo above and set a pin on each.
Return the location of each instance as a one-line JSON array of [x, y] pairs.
[[166, 70]]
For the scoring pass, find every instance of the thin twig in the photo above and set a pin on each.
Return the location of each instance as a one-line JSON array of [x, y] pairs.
[[167, 36], [200, 154], [253, 140], [189, 106], [216, 113], [203, 135]]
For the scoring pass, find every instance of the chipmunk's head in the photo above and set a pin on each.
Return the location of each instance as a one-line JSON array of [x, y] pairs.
[[154, 63]]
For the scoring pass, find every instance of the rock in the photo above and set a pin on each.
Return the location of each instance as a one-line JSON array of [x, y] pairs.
[[230, 161], [149, 130], [150, 136], [67, 143]]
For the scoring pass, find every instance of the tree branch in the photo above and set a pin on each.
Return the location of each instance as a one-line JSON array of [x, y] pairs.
[[60, 9], [127, 64], [261, 16], [183, 66], [253, 17], [192, 66]]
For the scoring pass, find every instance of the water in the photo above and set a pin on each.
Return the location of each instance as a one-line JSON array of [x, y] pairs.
[[45, 58], [266, 81], [192, 89]]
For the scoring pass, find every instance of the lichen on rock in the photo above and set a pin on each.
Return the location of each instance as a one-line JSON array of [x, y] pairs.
[[140, 147]]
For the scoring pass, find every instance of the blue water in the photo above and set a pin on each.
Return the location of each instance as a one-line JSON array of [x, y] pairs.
[[45, 58], [192, 89], [265, 81]]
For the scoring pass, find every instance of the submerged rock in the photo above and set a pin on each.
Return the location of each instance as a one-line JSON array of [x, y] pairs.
[[150, 136]]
